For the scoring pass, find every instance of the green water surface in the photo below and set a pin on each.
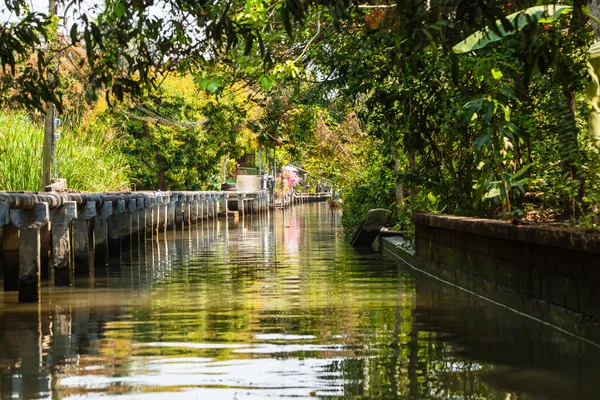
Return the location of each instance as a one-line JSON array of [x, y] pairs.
[[278, 306]]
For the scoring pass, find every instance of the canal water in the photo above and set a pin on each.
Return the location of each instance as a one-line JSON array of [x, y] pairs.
[[278, 306]]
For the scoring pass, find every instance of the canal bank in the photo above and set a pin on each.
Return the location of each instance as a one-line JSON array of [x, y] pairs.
[[549, 274], [56, 236], [277, 306]]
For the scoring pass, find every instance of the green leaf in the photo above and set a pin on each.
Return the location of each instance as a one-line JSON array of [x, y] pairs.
[[213, 85], [210, 84], [483, 140], [120, 10], [73, 34], [496, 73], [520, 183], [431, 197], [521, 171], [518, 20], [472, 107], [267, 82], [509, 93], [493, 191]]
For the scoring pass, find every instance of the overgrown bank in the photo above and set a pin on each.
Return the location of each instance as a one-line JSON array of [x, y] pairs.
[[88, 157], [404, 106]]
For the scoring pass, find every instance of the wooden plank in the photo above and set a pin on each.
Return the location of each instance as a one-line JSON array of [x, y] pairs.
[[369, 228], [58, 185]]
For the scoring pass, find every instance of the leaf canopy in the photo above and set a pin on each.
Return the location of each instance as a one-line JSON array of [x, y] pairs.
[[518, 20]]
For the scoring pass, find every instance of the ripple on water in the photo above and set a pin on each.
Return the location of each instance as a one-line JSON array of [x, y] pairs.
[[277, 307]]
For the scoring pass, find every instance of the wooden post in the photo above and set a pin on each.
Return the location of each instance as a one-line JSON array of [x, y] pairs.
[[49, 124]]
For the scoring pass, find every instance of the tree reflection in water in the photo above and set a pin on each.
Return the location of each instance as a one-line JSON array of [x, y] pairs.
[[277, 306]]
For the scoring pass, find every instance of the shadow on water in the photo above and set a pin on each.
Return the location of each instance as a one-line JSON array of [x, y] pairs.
[[277, 306]]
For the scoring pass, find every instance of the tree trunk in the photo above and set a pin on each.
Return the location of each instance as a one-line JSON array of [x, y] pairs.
[[594, 6], [592, 91], [412, 167], [162, 180], [397, 183]]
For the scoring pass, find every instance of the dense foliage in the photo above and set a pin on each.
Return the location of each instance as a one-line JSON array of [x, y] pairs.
[[473, 109], [501, 132], [89, 158], [177, 137]]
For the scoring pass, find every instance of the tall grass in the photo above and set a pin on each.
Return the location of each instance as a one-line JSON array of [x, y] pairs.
[[89, 158]]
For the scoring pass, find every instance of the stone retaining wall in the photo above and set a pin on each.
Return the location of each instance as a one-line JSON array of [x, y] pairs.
[[556, 265]]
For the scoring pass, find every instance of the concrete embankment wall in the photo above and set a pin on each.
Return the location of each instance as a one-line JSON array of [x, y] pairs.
[[549, 273], [58, 236]]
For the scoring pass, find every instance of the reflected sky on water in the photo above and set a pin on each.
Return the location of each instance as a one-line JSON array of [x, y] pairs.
[[278, 306]]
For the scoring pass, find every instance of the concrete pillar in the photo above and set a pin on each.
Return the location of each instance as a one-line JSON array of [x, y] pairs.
[[137, 226], [10, 257], [187, 206], [216, 198], [151, 217], [254, 205], [224, 206], [9, 254], [136, 219], [61, 269], [179, 210], [145, 216], [156, 215], [29, 223], [194, 209], [203, 210], [83, 249], [209, 206], [114, 227], [101, 229], [126, 223], [171, 211], [4, 214], [241, 197], [164, 213], [45, 245]]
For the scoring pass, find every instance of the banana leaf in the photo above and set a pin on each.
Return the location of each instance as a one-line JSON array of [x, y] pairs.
[[518, 20], [592, 92]]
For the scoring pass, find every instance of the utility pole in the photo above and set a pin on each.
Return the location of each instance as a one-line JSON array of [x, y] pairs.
[[49, 123]]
